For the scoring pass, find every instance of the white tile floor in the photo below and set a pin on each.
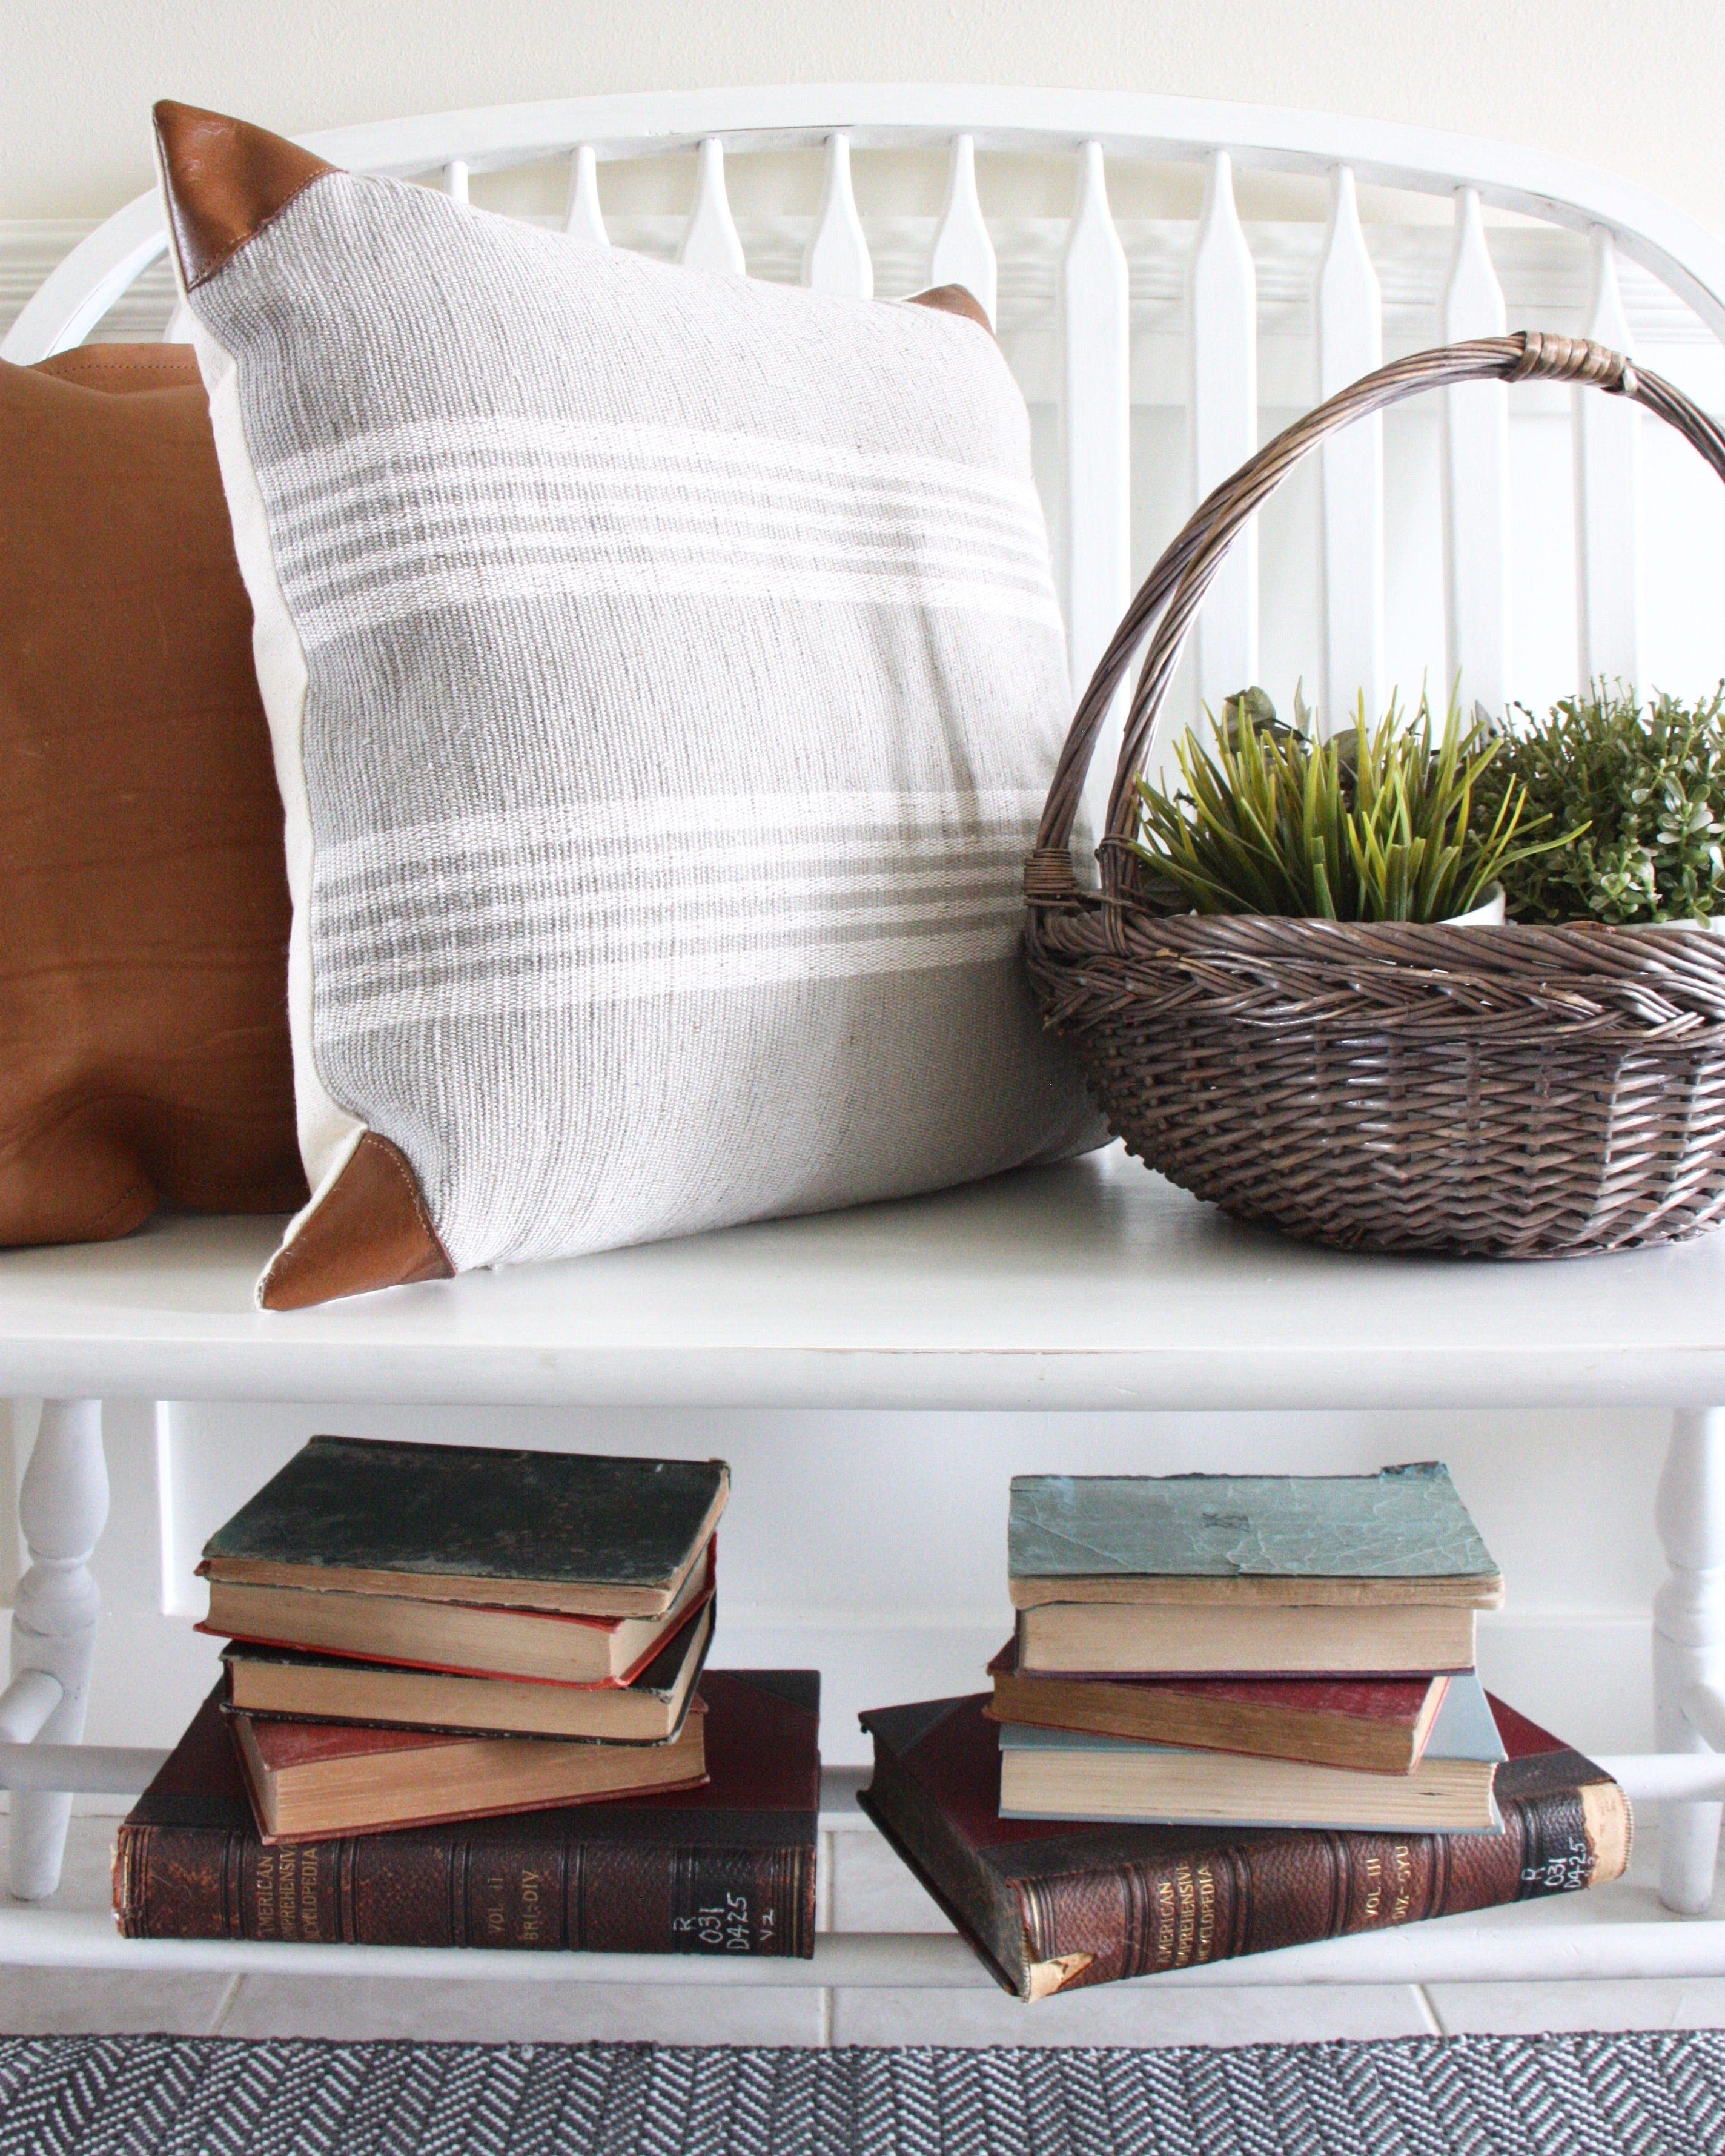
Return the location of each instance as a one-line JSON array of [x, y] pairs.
[[869, 1890]]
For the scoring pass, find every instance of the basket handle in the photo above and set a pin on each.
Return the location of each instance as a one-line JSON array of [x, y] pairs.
[[1176, 586]]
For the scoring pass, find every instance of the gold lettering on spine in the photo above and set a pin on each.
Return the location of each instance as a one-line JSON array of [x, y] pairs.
[[1374, 1887], [1402, 1859], [1189, 1921], [1164, 1923], [308, 1892], [287, 1892], [533, 1909], [1206, 1911], [266, 1894]]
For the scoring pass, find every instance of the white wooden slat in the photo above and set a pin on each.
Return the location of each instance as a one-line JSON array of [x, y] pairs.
[[1608, 498], [1096, 418], [582, 219], [963, 253], [456, 179], [177, 1594], [1475, 478], [836, 259], [1095, 421], [1350, 343], [1222, 410], [710, 240]]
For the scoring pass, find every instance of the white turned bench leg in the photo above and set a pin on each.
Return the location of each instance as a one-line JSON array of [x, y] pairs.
[[62, 1507], [1689, 1643]]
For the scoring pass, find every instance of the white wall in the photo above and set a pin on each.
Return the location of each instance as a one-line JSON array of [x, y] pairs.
[[899, 1589], [1633, 88]]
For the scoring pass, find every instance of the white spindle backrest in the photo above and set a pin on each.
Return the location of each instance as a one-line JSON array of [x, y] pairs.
[[1095, 441], [1222, 412], [1608, 499], [963, 253], [710, 239], [1097, 360], [1350, 343], [582, 218], [836, 259], [1475, 477]]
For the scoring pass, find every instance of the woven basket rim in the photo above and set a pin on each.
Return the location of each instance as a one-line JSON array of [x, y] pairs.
[[1610, 984], [1296, 926]]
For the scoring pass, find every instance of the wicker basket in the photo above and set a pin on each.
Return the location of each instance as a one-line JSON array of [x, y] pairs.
[[1514, 1092]]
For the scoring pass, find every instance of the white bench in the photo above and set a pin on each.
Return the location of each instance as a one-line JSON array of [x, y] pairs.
[[1091, 1285]]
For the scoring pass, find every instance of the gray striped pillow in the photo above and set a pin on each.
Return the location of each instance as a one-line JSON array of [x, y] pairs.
[[665, 674]]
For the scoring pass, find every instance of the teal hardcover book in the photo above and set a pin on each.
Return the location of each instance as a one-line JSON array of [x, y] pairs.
[[1403, 1523]]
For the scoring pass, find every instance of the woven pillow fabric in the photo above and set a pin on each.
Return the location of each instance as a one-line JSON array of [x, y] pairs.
[[665, 675]]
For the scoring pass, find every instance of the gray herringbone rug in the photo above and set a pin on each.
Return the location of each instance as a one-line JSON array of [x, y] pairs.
[[1486, 2095]]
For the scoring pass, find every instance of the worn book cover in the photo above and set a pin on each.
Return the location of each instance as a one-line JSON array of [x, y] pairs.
[[582, 1533], [479, 1640], [1049, 1906], [1381, 1724], [728, 1868], [310, 1781], [289, 1682], [1400, 1535], [1079, 1774]]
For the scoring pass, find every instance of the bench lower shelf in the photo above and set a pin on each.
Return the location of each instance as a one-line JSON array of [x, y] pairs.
[[1615, 1934], [1529, 1947]]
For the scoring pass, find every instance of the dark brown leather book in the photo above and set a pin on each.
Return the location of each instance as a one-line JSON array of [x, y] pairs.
[[1049, 1905], [728, 1868]]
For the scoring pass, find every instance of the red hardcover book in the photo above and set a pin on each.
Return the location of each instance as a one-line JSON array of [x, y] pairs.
[[1380, 1725], [310, 1781], [728, 1868], [1049, 1905]]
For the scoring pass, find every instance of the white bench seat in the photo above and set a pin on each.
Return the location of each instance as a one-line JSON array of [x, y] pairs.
[[1093, 1285]]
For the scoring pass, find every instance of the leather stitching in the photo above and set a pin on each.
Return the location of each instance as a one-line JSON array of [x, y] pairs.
[[378, 1146], [216, 268], [393, 1155]]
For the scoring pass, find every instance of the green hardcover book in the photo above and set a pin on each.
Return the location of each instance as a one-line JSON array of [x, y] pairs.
[[578, 1533], [1226, 1575]]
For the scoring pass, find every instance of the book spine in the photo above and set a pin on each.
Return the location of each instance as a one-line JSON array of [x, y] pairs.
[[1286, 1890], [455, 1889]]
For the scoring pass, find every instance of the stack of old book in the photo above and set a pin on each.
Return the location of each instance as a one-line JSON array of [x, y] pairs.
[[423, 1635], [1238, 1712]]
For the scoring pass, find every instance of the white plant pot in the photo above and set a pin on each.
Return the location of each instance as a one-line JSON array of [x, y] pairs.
[[1487, 914]]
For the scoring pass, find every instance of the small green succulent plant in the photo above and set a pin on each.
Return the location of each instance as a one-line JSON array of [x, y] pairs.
[[1384, 822], [1642, 793]]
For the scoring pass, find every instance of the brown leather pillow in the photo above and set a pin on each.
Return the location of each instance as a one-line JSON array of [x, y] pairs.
[[144, 1054]]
